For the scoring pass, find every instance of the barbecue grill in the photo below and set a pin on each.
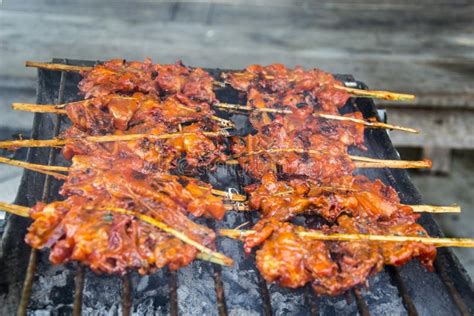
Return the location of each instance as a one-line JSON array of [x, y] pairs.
[[30, 284]]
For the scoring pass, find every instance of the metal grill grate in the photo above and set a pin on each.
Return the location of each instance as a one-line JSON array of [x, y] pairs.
[[203, 288]]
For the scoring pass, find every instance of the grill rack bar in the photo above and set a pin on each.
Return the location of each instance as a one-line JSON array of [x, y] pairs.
[[262, 285], [126, 295], [402, 290], [32, 263], [455, 295], [173, 289], [311, 300], [78, 290], [219, 287], [361, 304], [28, 283], [217, 277], [267, 308]]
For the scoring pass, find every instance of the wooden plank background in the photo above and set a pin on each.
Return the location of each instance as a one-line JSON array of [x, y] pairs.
[[424, 48]]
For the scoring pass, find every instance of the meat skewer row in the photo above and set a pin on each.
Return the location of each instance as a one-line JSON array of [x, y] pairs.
[[363, 162], [53, 171], [277, 78], [309, 95], [161, 80], [59, 109], [322, 115], [306, 153], [319, 235], [103, 161], [360, 162], [417, 208], [295, 191], [57, 142], [336, 259], [281, 200], [236, 197], [356, 92], [121, 112], [206, 253], [310, 148]]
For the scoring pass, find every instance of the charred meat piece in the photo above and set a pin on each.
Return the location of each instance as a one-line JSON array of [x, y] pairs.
[[333, 267], [120, 76], [83, 230]]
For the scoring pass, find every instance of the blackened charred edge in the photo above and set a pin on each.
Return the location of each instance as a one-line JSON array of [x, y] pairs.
[[173, 289], [33, 260], [440, 266], [126, 295], [78, 290], [361, 304], [402, 290], [311, 300]]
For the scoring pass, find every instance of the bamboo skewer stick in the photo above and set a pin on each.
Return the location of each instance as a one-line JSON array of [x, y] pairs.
[[436, 209], [438, 242], [36, 108], [19, 210], [365, 162], [27, 165], [386, 95], [57, 67], [49, 170], [369, 124], [416, 208], [56, 142], [326, 116], [360, 162], [205, 253]]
